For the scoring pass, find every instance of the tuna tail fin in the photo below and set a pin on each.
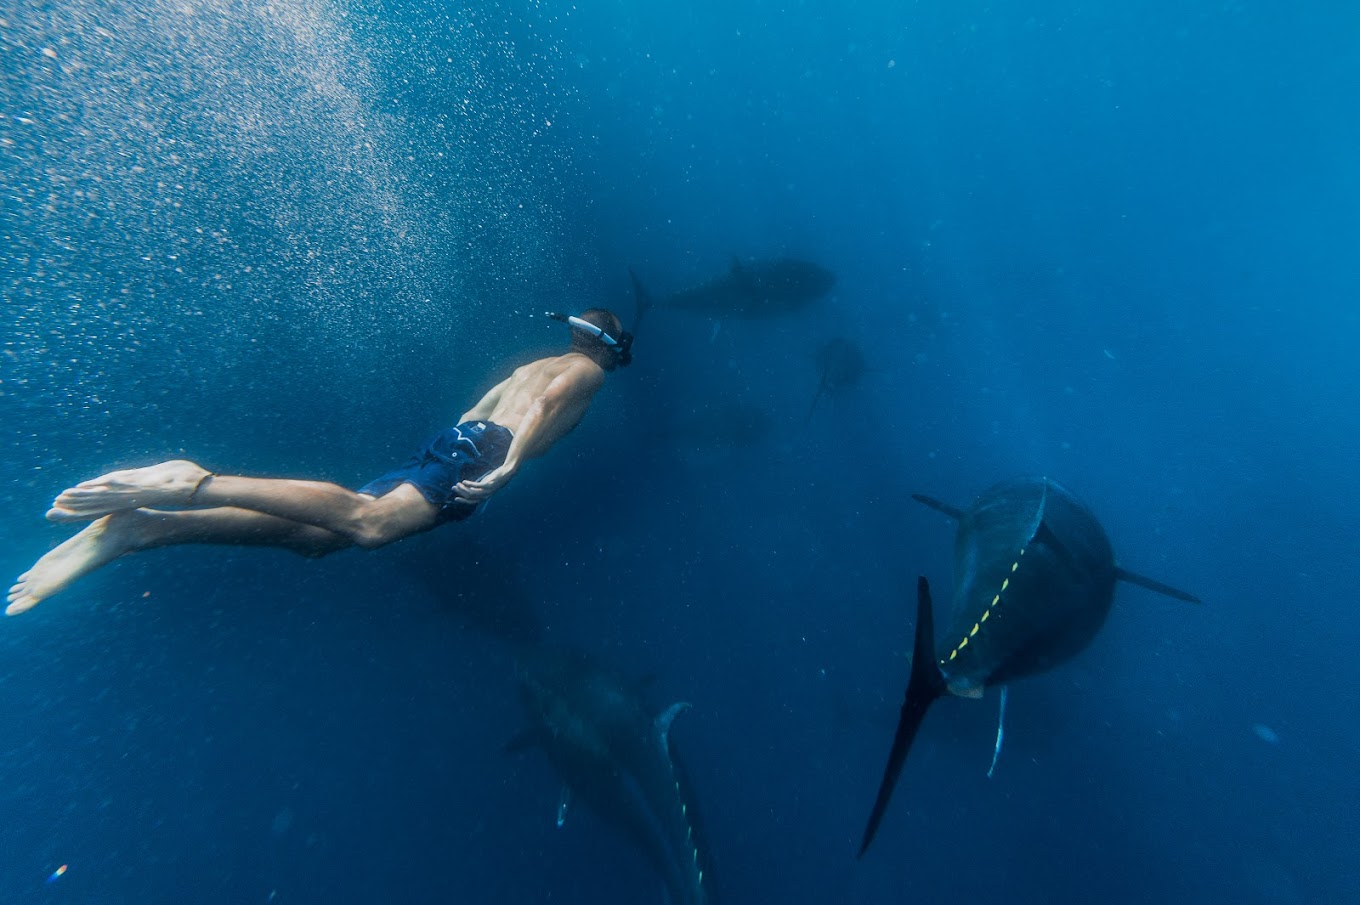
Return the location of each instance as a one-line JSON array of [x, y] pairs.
[[642, 300], [952, 511], [1144, 582], [925, 686]]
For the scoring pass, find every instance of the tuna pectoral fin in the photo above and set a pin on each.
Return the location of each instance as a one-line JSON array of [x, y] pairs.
[[951, 511], [1000, 731], [1144, 582], [563, 803], [926, 684]]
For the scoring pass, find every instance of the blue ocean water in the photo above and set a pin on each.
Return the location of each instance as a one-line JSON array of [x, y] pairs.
[[1110, 243]]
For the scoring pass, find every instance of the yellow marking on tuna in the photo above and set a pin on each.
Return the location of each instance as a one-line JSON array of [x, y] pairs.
[[987, 613]]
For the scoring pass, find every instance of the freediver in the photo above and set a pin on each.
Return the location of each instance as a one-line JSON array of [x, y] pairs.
[[180, 502]]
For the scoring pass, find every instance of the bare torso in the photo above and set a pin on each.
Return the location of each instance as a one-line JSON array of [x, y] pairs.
[[567, 381]]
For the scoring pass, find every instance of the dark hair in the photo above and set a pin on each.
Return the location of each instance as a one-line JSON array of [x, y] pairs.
[[592, 346]]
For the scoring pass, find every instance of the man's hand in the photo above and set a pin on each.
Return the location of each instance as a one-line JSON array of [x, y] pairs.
[[474, 492]]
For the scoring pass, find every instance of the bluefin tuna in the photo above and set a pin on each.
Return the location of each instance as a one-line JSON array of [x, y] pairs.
[[1035, 577], [614, 754]]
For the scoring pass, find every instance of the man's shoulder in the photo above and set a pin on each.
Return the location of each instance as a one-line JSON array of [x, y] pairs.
[[573, 366], [572, 362], [584, 368]]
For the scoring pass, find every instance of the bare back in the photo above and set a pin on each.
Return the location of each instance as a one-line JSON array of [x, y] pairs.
[[541, 401]]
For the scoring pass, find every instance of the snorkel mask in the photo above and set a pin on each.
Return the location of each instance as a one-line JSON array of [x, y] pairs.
[[621, 347]]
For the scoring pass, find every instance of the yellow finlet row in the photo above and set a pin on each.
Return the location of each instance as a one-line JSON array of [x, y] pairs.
[[986, 614]]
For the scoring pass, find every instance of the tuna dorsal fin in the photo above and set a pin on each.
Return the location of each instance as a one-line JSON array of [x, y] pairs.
[[1144, 582], [925, 685], [667, 716], [953, 512]]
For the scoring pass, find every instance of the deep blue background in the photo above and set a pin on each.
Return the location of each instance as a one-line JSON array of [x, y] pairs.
[[1111, 243]]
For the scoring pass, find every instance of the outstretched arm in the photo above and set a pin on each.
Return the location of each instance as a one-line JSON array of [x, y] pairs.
[[556, 410]]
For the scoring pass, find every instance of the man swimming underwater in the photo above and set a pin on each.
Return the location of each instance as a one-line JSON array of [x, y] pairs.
[[179, 502]]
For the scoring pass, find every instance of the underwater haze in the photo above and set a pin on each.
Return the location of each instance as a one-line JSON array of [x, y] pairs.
[[1114, 244]]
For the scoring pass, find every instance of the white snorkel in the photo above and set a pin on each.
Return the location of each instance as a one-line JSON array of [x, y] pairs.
[[621, 347], [587, 326]]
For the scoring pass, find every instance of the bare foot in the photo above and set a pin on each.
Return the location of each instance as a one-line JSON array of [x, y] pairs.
[[167, 484], [99, 543]]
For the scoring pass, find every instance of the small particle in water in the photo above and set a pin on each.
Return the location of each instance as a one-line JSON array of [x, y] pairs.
[[1266, 734], [56, 874], [50, 53], [1109, 355]]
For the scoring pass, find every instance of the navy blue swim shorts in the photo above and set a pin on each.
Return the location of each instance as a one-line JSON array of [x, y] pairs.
[[462, 453]]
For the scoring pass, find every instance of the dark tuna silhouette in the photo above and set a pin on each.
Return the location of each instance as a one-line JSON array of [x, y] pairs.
[[1036, 576], [614, 754], [759, 288], [840, 364]]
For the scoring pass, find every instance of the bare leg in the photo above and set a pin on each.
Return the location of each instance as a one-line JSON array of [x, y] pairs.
[[167, 484], [364, 520], [237, 527], [119, 533]]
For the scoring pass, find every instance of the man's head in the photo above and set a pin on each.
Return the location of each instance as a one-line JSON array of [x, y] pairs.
[[596, 349]]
